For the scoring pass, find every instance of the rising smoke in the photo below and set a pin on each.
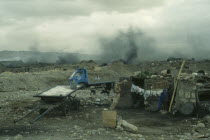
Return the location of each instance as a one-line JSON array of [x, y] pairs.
[[131, 46]]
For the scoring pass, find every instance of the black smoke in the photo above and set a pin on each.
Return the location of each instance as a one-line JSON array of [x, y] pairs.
[[131, 46], [67, 59], [132, 53]]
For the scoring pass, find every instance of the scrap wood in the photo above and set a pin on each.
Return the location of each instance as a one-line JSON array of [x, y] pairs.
[[202, 136]]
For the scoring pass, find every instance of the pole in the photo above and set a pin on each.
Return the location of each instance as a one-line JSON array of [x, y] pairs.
[[175, 85]]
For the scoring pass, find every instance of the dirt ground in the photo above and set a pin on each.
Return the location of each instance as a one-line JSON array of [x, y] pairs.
[[16, 98], [87, 123]]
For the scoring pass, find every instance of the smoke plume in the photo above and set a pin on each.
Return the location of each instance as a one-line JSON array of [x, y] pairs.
[[132, 46]]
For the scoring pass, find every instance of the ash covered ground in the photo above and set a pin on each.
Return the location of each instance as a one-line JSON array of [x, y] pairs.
[[19, 85]]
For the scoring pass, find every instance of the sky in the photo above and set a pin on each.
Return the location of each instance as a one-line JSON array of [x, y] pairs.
[[175, 26]]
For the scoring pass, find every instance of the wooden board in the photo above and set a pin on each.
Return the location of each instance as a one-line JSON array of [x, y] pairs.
[[57, 91]]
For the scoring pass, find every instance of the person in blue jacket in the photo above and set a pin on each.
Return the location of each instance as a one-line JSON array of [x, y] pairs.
[[163, 99]]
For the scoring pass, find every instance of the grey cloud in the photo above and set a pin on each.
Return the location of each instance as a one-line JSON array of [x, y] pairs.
[[128, 5], [56, 8], [185, 26], [44, 8]]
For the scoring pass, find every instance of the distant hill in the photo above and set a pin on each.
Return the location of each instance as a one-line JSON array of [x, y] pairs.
[[43, 57]]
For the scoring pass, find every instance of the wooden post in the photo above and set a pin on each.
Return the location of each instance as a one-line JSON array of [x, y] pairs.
[[175, 85]]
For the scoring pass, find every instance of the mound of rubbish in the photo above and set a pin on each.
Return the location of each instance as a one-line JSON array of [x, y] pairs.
[[89, 63], [32, 81], [118, 62], [124, 70]]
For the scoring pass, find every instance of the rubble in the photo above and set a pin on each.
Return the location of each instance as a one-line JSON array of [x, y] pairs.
[[165, 72], [207, 119], [17, 90], [18, 137], [200, 125]]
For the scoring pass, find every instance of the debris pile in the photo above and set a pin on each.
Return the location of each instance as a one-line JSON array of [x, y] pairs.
[[88, 64], [148, 89]]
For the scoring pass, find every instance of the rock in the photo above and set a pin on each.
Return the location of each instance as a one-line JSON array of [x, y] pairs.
[[171, 137], [77, 128], [119, 128], [188, 77], [87, 115], [164, 72], [163, 112], [94, 132], [97, 101], [200, 125], [129, 127], [137, 73], [18, 137], [140, 136], [207, 119], [186, 136], [195, 134], [58, 130], [154, 76], [102, 129], [136, 135], [124, 125]]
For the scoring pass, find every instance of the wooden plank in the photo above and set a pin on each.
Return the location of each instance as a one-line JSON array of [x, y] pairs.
[[60, 90]]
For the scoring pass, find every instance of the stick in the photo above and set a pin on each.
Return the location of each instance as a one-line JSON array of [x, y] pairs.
[[175, 86], [37, 118], [15, 121]]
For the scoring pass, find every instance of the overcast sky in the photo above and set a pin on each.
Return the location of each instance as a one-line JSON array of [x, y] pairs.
[[180, 26]]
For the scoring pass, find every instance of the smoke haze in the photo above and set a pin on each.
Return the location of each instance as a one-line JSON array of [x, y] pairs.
[[141, 30], [132, 46]]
